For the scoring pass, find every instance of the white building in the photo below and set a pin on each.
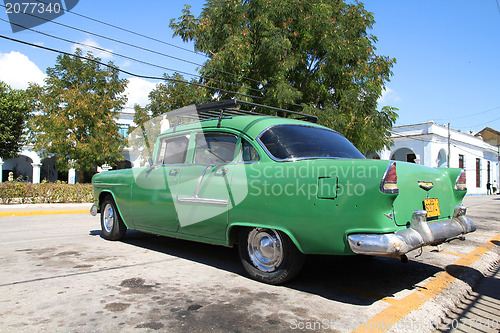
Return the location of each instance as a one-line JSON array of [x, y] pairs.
[[434, 145]]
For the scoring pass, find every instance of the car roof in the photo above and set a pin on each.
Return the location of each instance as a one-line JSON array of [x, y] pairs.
[[250, 125]]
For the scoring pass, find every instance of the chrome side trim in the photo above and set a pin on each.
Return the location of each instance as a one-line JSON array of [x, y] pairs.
[[419, 233], [204, 200], [109, 185]]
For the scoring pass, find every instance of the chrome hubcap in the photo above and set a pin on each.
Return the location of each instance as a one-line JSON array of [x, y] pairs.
[[265, 249], [109, 217]]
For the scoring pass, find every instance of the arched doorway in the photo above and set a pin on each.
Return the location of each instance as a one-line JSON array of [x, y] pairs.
[[20, 166], [404, 154], [442, 160]]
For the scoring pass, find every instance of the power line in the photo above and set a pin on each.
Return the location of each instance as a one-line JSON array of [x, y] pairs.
[[129, 58], [484, 123], [130, 31], [136, 46], [470, 115], [130, 73]]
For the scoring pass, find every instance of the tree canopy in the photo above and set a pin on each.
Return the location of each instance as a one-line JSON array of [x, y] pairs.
[[314, 53], [175, 93], [76, 113], [14, 112]]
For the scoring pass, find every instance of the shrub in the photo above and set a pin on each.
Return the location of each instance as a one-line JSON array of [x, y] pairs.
[[60, 192]]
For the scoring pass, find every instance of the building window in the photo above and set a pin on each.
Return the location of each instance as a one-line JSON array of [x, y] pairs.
[[478, 172], [461, 161], [123, 130]]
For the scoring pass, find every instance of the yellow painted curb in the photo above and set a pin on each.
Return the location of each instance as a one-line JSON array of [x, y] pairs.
[[389, 317], [43, 212]]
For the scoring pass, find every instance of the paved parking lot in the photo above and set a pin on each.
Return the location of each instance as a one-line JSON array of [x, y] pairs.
[[58, 274]]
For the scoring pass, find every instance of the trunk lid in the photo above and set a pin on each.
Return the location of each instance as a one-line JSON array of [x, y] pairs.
[[417, 183]]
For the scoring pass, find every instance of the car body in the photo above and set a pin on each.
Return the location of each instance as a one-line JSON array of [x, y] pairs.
[[279, 189]]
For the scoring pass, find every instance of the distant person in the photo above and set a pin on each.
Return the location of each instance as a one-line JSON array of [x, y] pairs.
[[495, 187], [488, 188]]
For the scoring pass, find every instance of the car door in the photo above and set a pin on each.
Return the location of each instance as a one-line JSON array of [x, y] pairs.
[[155, 188], [204, 189]]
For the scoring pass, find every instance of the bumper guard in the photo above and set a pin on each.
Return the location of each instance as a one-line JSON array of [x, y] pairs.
[[419, 233], [94, 210]]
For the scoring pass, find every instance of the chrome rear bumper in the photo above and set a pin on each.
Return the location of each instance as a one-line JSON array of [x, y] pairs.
[[419, 233]]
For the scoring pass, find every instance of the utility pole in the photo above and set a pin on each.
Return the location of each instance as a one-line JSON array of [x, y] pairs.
[[449, 146]]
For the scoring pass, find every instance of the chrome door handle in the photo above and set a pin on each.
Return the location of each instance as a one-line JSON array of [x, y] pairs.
[[174, 172], [221, 171]]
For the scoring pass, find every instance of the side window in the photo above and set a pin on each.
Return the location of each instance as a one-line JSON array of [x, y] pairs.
[[248, 152], [173, 151], [214, 148]]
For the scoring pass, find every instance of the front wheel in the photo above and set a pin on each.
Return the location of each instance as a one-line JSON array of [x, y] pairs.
[[112, 225], [269, 255]]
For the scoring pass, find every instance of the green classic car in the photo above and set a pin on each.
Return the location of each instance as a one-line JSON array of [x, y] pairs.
[[279, 189]]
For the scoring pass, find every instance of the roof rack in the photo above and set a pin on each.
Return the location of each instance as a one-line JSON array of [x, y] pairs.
[[232, 107]]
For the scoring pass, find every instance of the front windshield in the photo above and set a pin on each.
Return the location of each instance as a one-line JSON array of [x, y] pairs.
[[286, 142]]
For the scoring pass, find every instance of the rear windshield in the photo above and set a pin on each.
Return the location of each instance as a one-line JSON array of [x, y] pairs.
[[294, 141]]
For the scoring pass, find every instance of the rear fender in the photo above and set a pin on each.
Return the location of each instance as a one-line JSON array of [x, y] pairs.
[[232, 232]]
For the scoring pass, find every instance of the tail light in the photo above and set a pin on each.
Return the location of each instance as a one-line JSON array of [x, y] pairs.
[[461, 183], [389, 183]]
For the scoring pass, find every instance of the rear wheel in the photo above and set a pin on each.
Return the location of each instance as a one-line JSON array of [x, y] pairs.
[[269, 255], [112, 225]]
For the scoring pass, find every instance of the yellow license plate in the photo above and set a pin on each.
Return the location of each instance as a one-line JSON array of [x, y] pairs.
[[432, 207]]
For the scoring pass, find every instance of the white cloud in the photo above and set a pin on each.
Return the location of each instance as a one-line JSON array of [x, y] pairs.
[[389, 96], [97, 53], [17, 70], [137, 91], [125, 64]]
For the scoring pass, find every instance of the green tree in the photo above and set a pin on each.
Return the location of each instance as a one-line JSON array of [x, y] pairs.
[[316, 53], [14, 112], [76, 113], [175, 93]]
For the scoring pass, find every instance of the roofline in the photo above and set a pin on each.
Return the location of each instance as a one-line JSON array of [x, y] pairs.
[[488, 129]]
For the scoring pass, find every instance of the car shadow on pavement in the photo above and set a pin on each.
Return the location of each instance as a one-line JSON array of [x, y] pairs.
[[358, 280]]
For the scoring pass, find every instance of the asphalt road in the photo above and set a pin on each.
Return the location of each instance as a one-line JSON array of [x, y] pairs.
[[58, 275]]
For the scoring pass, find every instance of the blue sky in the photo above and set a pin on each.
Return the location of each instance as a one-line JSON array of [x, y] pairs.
[[447, 52]]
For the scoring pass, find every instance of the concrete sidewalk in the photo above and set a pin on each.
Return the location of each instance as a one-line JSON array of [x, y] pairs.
[[479, 310]]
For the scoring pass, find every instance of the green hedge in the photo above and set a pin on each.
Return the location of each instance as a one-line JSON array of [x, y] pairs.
[[60, 192]]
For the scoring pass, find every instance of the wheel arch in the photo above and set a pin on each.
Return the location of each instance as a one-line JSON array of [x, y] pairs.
[[234, 229], [103, 195]]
